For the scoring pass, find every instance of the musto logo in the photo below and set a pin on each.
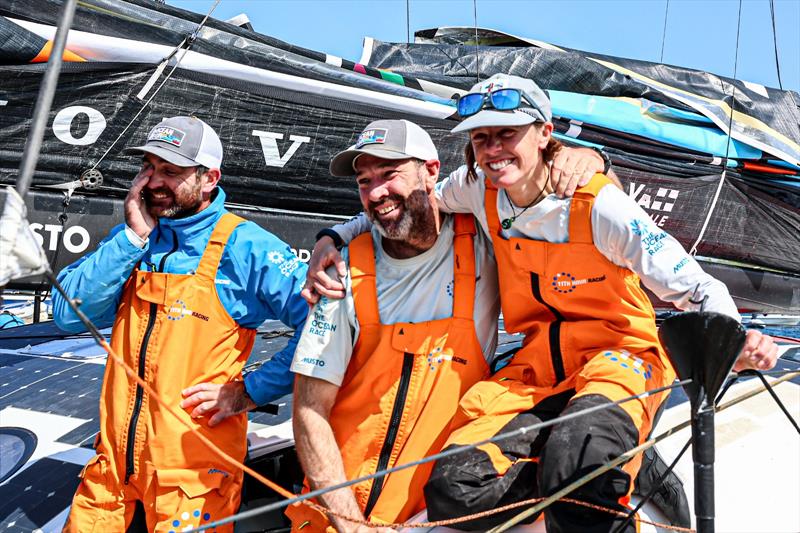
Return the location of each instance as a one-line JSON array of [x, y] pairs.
[[564, 282]]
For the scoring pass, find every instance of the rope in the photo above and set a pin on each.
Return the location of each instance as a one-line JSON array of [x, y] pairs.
[[446, 453], [693, 250], [305, 498], [187, 41], [775, 42], [643, 446], [531, 501], [632, 514], [452, 451]]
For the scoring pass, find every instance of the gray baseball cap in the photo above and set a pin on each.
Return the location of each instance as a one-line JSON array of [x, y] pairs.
[[387, 139], [183, 141], [525, 114]]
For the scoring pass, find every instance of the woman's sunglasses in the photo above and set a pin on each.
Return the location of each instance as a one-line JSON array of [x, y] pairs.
[[500, 99]]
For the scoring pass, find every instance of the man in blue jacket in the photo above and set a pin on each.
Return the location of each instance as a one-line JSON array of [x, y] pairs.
[[185, 284]]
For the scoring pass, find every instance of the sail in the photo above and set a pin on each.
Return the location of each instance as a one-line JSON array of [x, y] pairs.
[[763, 117], [283, 111]]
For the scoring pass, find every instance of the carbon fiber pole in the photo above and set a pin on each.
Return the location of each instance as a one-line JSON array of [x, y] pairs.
[[703, 455], [41, 112]]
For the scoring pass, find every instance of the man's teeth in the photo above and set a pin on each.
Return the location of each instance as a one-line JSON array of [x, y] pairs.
[[497, 165], [386, 210]]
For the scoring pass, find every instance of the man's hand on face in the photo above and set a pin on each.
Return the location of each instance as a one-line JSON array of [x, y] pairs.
[[573, 168], [223, 400], [136, 215]]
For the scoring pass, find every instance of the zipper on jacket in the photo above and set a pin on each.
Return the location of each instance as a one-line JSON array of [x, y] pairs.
[[137, 405], [554, 331], [391, 432]]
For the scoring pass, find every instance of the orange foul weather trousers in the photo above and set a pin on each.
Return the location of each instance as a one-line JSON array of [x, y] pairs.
[[175, 332], [590, 339], [401, 389]]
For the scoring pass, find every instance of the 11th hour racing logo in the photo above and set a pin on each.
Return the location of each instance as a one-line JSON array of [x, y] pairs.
[[564, 282], [437, 356], [178, 310], [657, 201]]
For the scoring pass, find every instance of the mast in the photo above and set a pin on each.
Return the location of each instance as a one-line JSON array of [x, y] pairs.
[[33, 144]]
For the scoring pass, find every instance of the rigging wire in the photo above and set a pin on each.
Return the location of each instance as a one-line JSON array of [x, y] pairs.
[[693, 249], [477, 44], [664, 34], [408, 21], [187, 41], [775, 42], [734, 377], [455, 450], [631, 453]]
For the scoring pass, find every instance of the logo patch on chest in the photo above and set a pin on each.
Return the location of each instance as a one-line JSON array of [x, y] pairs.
[[437, 356], [178, 310], [565, 283]]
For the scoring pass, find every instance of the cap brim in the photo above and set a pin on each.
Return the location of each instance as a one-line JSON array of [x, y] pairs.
[[493, 118], [342, 163], [165, 154]]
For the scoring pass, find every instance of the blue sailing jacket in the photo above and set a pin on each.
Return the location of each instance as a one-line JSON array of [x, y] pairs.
[[259, 278]]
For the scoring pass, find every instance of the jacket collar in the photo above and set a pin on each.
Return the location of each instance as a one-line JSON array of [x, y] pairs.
[[206, 218]]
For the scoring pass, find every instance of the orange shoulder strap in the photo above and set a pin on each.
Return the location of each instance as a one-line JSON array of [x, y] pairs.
[[362, 277], [464, 266], [207, 269], [580, 212], [490, 205]]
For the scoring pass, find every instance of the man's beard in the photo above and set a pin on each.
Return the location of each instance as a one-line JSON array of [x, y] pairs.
[[416, 224], [184, 205]]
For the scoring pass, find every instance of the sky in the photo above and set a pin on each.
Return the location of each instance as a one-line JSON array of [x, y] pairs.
[[700, 34]]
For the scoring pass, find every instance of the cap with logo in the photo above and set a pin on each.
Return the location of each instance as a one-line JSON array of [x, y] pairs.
[[515, 117], [386, 139], [183, 141]]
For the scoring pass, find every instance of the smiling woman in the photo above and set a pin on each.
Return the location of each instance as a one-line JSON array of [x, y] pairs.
[[568, 270]]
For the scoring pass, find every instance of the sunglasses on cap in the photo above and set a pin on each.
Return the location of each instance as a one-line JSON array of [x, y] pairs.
[[499, 99]]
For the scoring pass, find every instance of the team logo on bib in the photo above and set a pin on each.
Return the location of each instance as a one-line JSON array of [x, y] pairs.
[[565, 283]]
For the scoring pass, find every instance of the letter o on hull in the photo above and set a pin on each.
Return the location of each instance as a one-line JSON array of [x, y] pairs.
[[65, 117]]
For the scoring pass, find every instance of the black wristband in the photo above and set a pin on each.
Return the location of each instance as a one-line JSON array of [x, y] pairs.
[[328, 232], [606, 159]]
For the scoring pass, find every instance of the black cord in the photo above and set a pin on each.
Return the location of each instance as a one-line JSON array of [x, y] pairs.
[[775, 42], [772, 393], [664, 34], [654, 489]]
